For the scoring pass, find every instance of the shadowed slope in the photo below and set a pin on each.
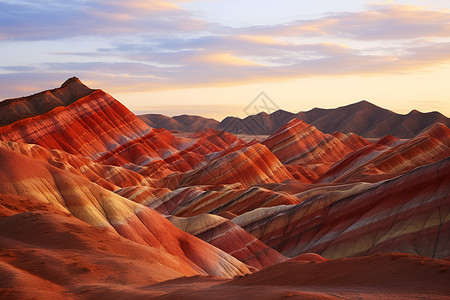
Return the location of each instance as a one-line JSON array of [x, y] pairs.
[[391, 276]]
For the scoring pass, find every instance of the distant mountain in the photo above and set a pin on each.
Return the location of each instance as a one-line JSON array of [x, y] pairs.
[[185, 123], [368, 120], [362, 118]]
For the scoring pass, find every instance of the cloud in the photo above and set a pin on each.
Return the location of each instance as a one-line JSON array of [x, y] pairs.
[[165, 47], [380, 22], [212, 68], [49, 20]]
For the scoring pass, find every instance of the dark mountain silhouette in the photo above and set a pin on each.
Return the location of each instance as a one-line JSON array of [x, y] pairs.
[[185, 123], [362, 118]]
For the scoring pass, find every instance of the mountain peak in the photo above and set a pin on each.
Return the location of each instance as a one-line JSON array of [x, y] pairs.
[[414, 112], [73, 81], [363, 103], [13, 110]]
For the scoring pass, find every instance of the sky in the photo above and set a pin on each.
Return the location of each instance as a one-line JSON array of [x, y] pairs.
[[215, 57]]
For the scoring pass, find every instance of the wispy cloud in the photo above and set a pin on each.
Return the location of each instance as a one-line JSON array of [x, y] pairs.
[[379, 22], [162, 46], [31, 20]]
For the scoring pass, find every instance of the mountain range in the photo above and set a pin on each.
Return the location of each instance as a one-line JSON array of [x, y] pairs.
[[94, 203], [362, 118]]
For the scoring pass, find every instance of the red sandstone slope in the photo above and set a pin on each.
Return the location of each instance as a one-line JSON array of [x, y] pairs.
[[231, 238], [252, 165], [309, 152], [107, 176], [98, 127], [21, 175], [387, 158], [410, 213], [43, 248], [90, 126]]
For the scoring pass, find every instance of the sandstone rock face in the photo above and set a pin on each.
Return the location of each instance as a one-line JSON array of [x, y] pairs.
[[378, 162], [307, 151], [249, 166], [95, 203], [91, 126], [388, 216], [231, 238], [96, 206]]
